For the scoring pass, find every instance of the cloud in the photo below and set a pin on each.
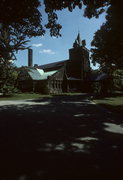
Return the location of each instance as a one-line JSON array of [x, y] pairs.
[[47, 51], [54, 37], [37, 45]]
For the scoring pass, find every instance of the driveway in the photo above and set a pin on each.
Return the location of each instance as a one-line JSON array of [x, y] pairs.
[[60, 137]]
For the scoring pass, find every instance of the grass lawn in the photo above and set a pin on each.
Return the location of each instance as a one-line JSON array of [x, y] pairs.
[[20, 96], [114, 104], [24, 96]]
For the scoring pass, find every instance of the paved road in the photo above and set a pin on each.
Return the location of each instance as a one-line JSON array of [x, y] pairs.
[[58, 138]]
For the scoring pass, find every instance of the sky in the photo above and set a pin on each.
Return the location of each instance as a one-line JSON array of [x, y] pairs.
[[48, 49]]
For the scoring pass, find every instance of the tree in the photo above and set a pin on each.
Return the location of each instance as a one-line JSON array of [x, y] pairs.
[[18, 21], [118, 79], [108, 45], [8, 77], [108, 40], [10, 41]]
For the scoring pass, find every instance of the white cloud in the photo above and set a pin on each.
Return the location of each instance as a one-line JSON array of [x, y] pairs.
[[54, 37], [37, 45], [47, 51], [42, 37]]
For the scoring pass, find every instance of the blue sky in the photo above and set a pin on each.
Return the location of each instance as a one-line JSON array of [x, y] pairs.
[[48, 49]]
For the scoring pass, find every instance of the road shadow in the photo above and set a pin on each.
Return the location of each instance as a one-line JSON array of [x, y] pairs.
[[59, 138]]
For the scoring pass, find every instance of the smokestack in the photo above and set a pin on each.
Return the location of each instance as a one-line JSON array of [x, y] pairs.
[[30, 58]]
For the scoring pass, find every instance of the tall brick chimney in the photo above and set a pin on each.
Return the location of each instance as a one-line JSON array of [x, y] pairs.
[[30, 57]]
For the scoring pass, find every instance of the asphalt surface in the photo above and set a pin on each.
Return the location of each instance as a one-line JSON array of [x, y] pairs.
[[62, 137]]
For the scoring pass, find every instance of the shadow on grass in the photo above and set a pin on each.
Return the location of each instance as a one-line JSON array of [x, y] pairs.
[[112, 102], [113, 108], [107, 96], [58, 138]]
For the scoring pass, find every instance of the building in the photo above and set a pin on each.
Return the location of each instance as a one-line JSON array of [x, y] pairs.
[[63, 76]]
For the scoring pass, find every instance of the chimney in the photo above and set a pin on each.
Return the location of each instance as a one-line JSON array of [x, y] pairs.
[[30, 58]]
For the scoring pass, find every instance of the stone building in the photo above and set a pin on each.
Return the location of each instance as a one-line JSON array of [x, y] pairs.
[[63, 76]]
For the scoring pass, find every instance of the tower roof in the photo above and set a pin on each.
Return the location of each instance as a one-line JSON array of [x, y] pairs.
[[79, 39]]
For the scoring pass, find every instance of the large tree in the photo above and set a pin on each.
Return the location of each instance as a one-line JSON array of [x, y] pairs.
[[18, 21], [108, 40]]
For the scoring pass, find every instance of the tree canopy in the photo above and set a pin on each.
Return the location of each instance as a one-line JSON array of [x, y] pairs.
[[108, 40], [26, 13]]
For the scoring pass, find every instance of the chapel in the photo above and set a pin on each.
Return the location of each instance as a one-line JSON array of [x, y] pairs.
[[68, 75]]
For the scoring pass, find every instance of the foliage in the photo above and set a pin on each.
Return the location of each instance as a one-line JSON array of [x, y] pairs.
[[10, 42], [28, 14], [23, 16], [113, 82], [108, 51], [118, 79], [108, 40], [18, 21], [8, 77]]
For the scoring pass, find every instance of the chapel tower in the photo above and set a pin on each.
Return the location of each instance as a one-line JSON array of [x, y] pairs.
[[79, 59]]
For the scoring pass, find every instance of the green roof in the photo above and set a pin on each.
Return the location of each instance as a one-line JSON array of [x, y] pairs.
[[46, 74], [39, 74]]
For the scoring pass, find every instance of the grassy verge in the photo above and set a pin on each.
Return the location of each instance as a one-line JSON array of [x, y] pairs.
[[21, 96], [24, 96], [114, 104]]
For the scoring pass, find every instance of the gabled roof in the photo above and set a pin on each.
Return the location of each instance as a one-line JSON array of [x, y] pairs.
[[47, 74], [35, 74], [55, 65], [39, 74]]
